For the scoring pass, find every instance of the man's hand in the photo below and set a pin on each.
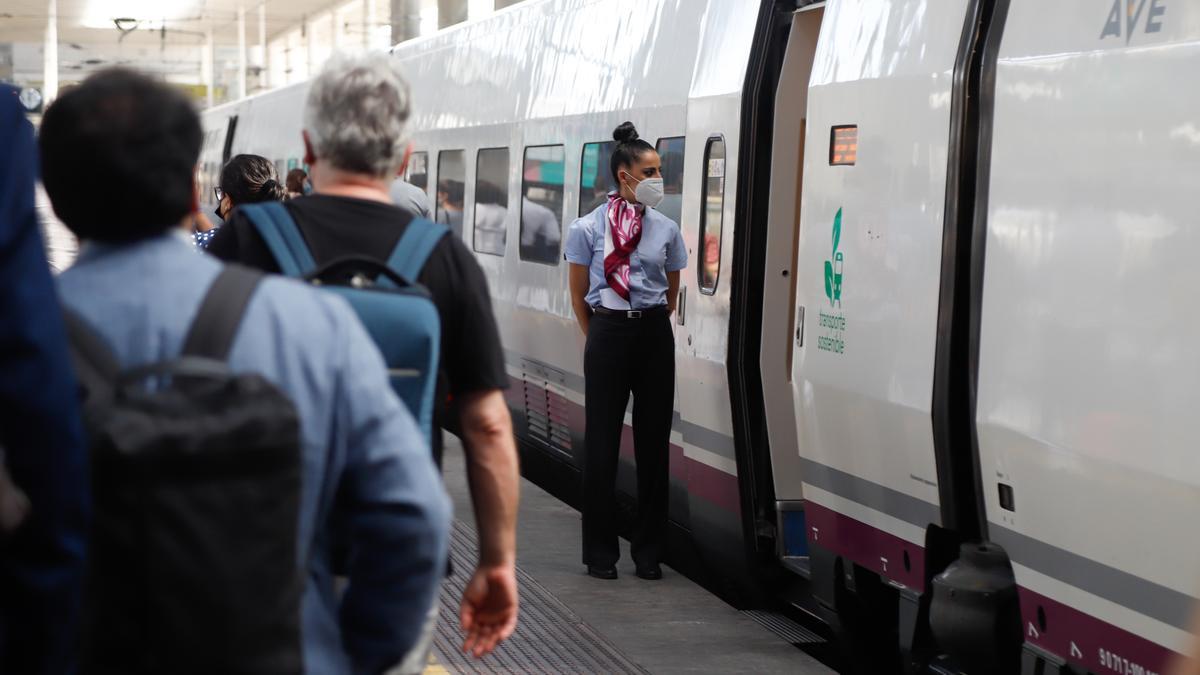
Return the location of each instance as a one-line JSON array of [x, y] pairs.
[[489, 608], [489, 604]]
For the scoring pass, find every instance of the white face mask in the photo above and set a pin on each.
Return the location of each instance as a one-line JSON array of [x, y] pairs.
[[649, 191]]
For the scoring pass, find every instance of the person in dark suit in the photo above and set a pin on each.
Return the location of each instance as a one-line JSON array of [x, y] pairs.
[[41, 433]]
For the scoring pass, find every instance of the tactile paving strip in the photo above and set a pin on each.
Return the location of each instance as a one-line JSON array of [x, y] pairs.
[[550, 638]]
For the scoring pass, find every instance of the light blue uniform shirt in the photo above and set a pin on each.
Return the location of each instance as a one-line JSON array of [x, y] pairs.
[[661, 250], [357, 436]]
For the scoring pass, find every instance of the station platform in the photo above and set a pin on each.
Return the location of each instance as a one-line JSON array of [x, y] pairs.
[[572, 623]]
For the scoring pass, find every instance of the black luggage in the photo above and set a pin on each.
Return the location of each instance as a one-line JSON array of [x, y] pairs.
[[196, 479]]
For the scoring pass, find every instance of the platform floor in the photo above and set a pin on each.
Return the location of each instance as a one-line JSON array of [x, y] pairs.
[[571, 623]]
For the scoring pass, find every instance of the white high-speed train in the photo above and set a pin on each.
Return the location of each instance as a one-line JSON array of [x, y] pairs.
[[936, 377]]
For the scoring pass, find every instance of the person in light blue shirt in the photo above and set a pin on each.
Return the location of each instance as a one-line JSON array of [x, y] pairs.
[[625, 262], [139, 282]]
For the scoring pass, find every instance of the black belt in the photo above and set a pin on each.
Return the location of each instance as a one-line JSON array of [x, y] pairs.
[[631, 313]]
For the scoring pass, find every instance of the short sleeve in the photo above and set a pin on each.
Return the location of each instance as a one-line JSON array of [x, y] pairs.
[[472, 353], [677, 257], [579, 242]]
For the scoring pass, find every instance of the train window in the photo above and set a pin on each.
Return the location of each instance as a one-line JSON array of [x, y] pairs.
[[417, 171], [711, 216], [491, 200], [670, 150], [595, 175], [451, 189], [542, 204]]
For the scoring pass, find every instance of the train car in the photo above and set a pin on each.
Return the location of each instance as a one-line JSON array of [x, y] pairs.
[[935, 373]]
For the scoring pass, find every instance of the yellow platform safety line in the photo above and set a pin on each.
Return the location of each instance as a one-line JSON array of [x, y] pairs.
[[432, 667]]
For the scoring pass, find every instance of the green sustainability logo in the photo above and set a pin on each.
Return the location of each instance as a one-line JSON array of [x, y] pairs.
[[832, 326], [833, 268]]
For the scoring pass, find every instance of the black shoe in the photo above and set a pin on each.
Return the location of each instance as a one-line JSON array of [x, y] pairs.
[[649, 572], [604, 572]]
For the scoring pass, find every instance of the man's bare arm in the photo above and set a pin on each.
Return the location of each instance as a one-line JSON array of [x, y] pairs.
[[489, 604]]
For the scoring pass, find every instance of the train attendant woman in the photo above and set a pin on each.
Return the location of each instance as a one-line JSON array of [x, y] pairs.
[[625, 261]]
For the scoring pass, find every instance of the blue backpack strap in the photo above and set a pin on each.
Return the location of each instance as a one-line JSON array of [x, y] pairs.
[[282, 237], [414, 248]]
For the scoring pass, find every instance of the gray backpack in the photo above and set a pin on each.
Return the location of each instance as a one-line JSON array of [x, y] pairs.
[[196, 497]]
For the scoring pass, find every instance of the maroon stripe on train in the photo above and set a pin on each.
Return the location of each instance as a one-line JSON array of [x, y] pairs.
[[1084, 640], [711, 485], [869, 547]]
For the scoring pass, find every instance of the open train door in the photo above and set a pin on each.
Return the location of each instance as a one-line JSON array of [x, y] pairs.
[[781, 315], [1089, 341], [876, 249]]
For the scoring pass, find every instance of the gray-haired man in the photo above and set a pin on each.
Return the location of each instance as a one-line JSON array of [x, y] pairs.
[[355, 142]]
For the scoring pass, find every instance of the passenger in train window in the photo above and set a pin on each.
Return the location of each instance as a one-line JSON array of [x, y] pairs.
[[410, 198], [539, 231], [139, 287], [298, 184], [623, 304], [491, 214], [450, 205], [356, 142], [246, 179]]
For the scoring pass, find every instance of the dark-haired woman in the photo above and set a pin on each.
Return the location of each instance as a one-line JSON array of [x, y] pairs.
[[246, 179], [625, 261], [298, 184]]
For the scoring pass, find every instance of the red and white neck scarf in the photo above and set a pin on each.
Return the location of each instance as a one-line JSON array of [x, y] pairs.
[[621, 239]]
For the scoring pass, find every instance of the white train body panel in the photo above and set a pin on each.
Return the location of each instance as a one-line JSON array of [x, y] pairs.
[[864, 377], [1089, 358]]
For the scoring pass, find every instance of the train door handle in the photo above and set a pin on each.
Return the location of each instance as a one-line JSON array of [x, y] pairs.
[[800, 326], [681, 307]]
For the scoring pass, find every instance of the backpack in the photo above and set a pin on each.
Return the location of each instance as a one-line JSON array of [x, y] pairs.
[[196, 476], [398, 313]]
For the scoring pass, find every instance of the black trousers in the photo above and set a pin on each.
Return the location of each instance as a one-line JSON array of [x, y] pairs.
[[626, 356]]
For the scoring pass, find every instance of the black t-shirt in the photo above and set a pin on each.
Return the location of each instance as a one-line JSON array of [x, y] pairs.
[[472, 359]]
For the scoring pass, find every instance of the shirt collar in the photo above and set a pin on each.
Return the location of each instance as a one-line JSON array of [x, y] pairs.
[[92, 250]]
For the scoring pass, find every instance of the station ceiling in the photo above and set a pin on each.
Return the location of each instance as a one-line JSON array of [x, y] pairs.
[[92, 22]]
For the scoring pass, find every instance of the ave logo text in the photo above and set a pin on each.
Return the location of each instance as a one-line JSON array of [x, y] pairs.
[[1130, 17]]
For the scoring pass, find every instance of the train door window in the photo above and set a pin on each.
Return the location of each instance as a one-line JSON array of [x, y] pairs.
[[711, 216], [542, 204], [491, 200], [417, 171], [595, 175], [451, 190], [670, 151]]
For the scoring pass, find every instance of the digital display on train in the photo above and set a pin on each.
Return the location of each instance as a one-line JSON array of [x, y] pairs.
[[843, 145]]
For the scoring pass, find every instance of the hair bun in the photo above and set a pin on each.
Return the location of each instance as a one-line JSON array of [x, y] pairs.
[[625, 133], [272, 189]]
